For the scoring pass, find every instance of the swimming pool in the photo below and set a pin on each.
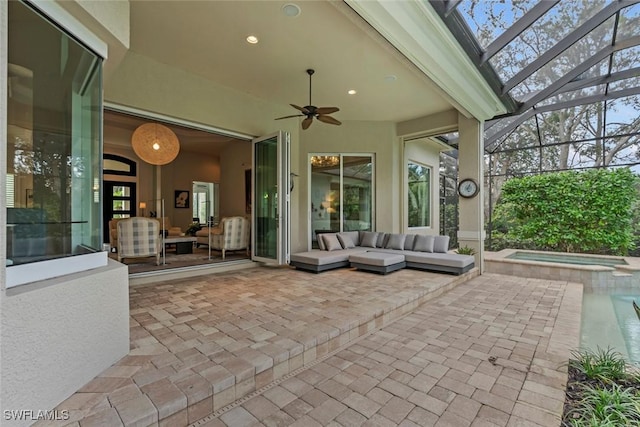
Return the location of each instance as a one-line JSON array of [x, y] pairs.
[[610, 285], [609, 320]]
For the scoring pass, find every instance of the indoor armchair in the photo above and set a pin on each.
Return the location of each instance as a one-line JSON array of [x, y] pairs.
[[139, 238], [231, 235]]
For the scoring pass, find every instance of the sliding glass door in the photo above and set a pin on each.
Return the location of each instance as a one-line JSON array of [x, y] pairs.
[[342, 193]]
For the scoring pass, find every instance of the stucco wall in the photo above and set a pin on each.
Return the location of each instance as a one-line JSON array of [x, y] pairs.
[[352, 137], [58, 334], [425, 152]]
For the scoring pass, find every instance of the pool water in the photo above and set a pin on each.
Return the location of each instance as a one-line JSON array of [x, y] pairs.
[[567, 259], [609, 321]]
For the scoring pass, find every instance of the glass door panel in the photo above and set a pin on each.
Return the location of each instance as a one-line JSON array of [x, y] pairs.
[[270, 213], [325, 195], [357, 199], [342, 192]]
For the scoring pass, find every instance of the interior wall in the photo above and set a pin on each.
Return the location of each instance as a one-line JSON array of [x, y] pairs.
[[235, 160], [179, 176]]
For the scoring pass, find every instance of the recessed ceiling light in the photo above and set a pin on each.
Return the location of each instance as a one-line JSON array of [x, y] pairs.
[[252, 39], [390, 78], [291, 10], [352, 92]]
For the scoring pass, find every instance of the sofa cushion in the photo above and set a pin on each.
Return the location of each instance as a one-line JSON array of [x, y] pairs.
[[369, 239], [395, 241], [441, 244], [448, 260], [331, 242], [318, 257], [354, 235], [408, 241], [423, 243], [346, 241]]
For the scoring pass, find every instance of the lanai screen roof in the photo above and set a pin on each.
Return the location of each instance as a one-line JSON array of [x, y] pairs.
[[567, 70]]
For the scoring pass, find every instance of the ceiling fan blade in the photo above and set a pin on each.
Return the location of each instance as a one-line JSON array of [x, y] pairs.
[[306, 123], [304, 110], [327, 110], [288, 117], [329, 119]]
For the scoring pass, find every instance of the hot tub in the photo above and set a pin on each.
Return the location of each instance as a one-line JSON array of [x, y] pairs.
[[595, 272]]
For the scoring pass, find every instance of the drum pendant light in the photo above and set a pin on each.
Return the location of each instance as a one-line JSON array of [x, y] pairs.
[[155, 143]]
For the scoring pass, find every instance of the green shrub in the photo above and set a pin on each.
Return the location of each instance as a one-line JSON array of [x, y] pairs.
[[588, 211], [466, 250], [606, 393], [604, 365]]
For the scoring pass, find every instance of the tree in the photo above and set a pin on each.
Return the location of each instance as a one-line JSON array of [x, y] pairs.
[[595, 134]]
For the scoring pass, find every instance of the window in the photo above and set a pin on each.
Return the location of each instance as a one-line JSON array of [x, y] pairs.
[[118, 165], [54, 115], [419, 195], [341, 193]]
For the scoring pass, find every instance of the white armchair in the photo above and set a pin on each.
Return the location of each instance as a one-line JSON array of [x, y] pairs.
[[231, 235]]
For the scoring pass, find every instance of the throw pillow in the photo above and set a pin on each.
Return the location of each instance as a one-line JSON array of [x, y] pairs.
[[423, 243], [408, 241], [354, 235], [346, 241], [369, 239], [441, 244], [383, 238], [396, 241], [331, 242], [320, 242]]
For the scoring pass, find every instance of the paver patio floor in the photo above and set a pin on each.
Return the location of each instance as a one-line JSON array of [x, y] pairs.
[[342, 348]]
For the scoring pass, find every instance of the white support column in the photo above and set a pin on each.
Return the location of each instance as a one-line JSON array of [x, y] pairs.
[[471, 165]]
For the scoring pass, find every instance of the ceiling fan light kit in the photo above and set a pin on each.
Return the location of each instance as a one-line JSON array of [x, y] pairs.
[[311, 111]]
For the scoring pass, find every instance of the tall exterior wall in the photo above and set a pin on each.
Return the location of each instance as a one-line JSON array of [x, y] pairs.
[[378, 138], [59, 334], [471, 165]]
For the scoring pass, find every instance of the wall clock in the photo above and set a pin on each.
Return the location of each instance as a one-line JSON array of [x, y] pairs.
[[468, 188]]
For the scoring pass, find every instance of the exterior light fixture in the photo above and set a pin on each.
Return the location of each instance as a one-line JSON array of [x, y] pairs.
[[252, 39], [352, 92]]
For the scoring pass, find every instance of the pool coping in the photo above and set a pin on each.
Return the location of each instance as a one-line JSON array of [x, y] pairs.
[[633, 263]]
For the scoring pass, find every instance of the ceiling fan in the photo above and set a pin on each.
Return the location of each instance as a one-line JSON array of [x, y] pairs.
[[311, 111]]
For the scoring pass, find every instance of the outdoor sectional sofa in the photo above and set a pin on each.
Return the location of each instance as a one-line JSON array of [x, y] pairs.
[[382, 253]]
